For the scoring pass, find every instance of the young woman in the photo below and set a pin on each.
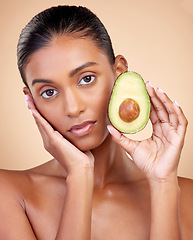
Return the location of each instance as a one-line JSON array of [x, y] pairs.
[[91, 189]]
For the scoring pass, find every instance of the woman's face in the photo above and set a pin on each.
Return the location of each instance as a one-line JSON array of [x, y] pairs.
[[71, 81]]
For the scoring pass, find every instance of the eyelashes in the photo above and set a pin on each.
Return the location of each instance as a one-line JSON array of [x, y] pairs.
[[49, 93], [86, 80]]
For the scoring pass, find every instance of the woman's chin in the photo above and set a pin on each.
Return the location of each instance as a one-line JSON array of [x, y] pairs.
[[89, 144], [86, 147]]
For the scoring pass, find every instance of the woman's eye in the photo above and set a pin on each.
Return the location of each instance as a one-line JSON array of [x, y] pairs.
[[49, 93], [87, 80]]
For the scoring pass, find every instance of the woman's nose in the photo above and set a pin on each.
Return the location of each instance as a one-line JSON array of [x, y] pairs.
[[73, 104]]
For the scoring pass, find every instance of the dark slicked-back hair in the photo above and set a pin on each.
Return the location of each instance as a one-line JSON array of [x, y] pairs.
[[78, 22]]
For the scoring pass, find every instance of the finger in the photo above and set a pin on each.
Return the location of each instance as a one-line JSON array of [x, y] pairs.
[[128, 145], [56, 144], [59, 147], [46, 130], [182, 120], [29, 102], [44, 127], [159, 107], [153, 116], [155, 120], [173, 119], [41, 122]]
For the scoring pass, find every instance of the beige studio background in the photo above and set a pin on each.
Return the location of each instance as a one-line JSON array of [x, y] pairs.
[[156, 36]]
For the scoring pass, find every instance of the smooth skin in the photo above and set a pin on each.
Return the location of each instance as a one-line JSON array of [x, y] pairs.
[[92, 190]]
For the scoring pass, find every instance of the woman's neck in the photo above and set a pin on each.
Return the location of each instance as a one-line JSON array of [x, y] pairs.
[[112, 164]]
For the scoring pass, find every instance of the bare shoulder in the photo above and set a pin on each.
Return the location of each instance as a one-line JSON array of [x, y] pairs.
[[186, 196], [186, 209], [21, 196], [15, 184], [18, 181], [11, 181], [12, 185], [14, 223], [27, 188], [186, 188]]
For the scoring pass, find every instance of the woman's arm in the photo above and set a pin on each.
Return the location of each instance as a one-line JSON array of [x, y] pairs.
[[76, 215], [75, 220], [165, 212], [158, 158], [14, 223]]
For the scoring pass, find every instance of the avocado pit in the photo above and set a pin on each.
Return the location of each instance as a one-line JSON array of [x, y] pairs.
[[129, 110]]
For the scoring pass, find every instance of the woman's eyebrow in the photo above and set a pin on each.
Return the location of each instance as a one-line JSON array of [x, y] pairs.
[[85, 65], [71, 74], [41, 81]]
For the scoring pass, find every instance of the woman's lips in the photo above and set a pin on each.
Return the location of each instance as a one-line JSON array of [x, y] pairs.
[[82, 129]]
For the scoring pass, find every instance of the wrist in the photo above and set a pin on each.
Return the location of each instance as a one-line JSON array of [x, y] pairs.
[[166, 181], [81, 175], [80, 169], [165, 211], [169, 186]]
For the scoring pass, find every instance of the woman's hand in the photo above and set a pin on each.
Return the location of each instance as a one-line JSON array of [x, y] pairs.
[[75, 222], [158, 156], [71, 158]]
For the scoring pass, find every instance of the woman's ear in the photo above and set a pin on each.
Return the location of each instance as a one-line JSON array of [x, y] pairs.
[[120, 65], [27, 91]]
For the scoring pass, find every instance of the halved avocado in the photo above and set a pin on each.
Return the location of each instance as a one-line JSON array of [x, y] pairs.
[[129, 106]]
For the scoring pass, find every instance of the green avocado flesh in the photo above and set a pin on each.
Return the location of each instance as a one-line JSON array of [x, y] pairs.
[[129, 106]]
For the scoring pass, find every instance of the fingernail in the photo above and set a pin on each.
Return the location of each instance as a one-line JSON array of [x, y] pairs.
[[31, 111], [26, 103], [150, 84], [160, 90], [176, 103], [109, 129], [26, 97]]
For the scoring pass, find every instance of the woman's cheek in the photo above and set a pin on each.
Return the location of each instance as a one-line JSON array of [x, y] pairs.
[[49, 112]]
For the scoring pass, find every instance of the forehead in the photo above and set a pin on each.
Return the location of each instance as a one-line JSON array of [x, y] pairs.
[[63, 55]]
